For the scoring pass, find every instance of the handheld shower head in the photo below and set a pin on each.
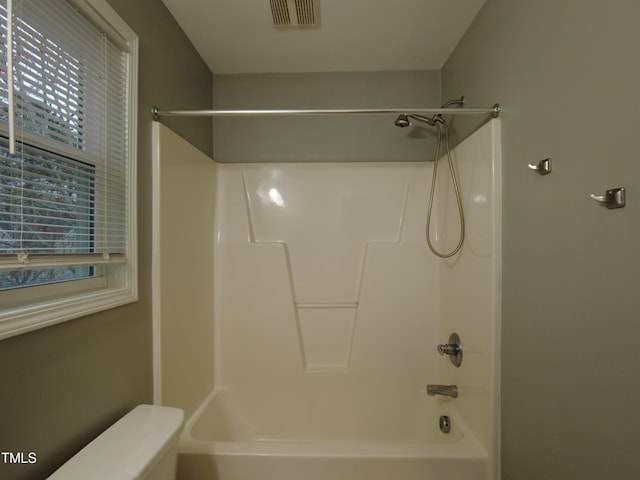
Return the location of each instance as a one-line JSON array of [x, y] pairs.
[[402, 121]]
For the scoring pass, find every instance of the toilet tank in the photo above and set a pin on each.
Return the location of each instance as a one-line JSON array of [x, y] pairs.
[[141, 445]]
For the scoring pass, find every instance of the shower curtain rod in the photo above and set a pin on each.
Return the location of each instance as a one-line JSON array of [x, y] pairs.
[[157, 113]]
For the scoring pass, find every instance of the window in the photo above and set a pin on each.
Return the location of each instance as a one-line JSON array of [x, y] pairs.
[[67, 162], [48, 207]]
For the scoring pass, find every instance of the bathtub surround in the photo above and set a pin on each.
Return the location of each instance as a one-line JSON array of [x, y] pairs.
[[63, 385], [571, 267], [471, 291], [328, 310], [184, 194]]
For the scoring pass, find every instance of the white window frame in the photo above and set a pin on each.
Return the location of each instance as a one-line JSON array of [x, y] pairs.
[[29, 308]]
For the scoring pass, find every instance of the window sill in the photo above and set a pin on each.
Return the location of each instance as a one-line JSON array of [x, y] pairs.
[[22, 319]]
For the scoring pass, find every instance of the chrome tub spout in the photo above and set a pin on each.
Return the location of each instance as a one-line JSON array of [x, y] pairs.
[[446, 390]]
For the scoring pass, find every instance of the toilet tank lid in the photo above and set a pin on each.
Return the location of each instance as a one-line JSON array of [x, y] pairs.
[[129, 448]]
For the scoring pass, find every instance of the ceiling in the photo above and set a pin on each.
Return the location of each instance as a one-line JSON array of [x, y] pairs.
[[238, 36]]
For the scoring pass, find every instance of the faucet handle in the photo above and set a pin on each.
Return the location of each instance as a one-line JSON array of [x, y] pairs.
[[453, 349], [448, 349]]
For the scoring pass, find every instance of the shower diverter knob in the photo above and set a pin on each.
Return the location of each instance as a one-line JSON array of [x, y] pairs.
[[448, 349], [453, 349]]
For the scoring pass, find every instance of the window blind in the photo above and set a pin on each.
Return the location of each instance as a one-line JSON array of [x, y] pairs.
[[63, 194]]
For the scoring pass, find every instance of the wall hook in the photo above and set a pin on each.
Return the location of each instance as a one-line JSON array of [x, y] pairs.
[[543, 167], [613, 198]]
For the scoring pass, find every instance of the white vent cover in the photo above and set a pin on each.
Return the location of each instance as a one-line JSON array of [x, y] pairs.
[[295, 13]]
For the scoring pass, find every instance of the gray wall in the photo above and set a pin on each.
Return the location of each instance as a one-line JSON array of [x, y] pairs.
[[567, 74], [323, 139], [63, 385]]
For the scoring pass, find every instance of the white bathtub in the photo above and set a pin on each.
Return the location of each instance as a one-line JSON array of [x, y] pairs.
[[232, 439]]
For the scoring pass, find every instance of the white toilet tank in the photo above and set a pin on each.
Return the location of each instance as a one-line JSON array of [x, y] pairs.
[[141, 445]]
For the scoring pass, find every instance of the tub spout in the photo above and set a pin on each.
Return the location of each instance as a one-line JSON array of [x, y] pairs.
[[446, 390]]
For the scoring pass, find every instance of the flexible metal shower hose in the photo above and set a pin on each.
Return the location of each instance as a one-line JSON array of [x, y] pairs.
[[454, 178]]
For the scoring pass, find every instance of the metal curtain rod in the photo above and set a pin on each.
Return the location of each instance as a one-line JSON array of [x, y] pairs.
[[157, 113]]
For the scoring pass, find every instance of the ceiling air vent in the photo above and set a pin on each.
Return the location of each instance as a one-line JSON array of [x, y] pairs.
[[295, 13]]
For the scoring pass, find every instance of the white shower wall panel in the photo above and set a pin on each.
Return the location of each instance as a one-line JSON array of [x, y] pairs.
[[470, 283], [326, 292]]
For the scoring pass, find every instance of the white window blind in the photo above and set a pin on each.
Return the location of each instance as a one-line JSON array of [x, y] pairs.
[[64, 198]]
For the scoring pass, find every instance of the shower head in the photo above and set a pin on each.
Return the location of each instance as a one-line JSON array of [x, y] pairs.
[[402, 121]]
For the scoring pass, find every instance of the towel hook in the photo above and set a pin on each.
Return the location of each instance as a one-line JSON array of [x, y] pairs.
[[613, 198], [543, 167]]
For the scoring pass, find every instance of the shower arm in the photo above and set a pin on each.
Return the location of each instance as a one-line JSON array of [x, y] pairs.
[[456, 101], [493, 111]]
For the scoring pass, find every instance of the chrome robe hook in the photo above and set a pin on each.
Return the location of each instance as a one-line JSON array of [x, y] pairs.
[[613, 198], [543, 167]]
